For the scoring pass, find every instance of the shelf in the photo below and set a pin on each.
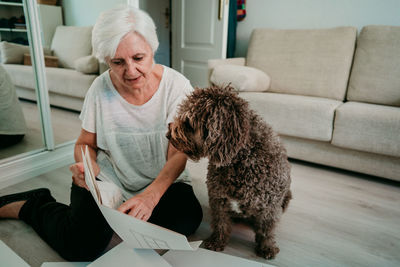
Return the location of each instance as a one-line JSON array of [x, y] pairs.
[[12, 30], [10, 3]]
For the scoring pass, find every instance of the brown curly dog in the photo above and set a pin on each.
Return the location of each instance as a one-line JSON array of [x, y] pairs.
[[248, 173]]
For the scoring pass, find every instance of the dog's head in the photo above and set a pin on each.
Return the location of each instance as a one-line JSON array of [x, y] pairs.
[[212, 122]]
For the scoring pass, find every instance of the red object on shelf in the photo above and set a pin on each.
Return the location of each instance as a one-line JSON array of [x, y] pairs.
[[241, 9]]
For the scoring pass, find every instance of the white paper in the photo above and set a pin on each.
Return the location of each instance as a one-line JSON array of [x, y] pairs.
[[140, 234], [9, 258], [123, 255], [136, 233], [111, 195], [65, 264], [90, 178], [203, 257]]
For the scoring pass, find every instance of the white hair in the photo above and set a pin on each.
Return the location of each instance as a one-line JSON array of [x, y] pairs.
[[112, 25]]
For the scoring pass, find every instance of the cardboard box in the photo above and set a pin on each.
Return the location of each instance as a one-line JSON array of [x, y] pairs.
[[47, 2], [49, 61]]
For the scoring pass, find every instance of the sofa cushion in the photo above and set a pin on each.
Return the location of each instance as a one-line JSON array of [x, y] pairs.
[[62, 81], [87, 65], [368, 127], [70, 43], [242, 78], [12, 53], [375, 77], [304, 62], [293, 115]]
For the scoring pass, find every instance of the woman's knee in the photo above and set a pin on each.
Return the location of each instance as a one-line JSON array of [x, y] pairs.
[[179, 210], [188, 224], [86, 248]]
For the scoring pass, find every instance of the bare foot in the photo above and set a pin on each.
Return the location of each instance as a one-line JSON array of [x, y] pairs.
[[11, 211]]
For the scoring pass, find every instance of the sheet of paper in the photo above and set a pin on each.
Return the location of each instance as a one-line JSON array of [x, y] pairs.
[[64, 264], [123, 255], [140, 234], [9, 258], [90, 179], [136, 233], [204, 257]]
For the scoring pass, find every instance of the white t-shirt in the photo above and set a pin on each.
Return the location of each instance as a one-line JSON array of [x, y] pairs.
[[131, 139]]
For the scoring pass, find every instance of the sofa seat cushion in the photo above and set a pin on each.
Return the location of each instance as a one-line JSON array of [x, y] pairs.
[[375, 77], [293, 115], [304, 62], [368, 128], [62, 81]]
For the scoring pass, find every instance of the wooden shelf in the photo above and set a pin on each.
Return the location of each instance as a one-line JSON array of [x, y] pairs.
[[10, 3], [12, 30]]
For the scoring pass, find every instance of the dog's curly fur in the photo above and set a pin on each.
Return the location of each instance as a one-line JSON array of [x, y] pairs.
[[247, 164]]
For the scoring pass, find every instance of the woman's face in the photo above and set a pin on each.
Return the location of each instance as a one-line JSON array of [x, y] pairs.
[[133, 62]]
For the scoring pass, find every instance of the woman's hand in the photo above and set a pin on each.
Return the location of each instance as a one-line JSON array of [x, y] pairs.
[[78, 173], [85, 139], [140, 206]]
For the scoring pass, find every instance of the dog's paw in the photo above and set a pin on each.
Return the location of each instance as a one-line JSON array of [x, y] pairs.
[[213, 244], [267, 252]]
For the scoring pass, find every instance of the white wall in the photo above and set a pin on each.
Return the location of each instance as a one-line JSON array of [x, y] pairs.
[[85, 12], [285, 14]]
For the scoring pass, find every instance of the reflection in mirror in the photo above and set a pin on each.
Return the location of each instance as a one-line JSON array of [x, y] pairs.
[[66, 86], [20, 126], [71, 68]]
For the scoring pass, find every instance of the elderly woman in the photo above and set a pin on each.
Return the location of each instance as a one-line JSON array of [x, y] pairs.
[[125, 117]]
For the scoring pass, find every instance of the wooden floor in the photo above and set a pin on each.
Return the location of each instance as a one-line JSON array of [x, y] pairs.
[[65, 123], [336, 218]]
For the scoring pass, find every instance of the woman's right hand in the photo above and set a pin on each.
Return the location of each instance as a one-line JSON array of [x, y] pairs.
[[86, 140], [78, 174]]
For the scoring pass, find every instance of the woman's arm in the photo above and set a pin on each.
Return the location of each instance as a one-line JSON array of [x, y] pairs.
[[85, 139], [141, 206]]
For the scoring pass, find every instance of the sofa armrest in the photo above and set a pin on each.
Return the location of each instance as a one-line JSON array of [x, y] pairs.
[[212, 63]]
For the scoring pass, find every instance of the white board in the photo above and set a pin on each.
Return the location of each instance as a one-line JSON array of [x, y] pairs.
[[203, 257], [123, 255]]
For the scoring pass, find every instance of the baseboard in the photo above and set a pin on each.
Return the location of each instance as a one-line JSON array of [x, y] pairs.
[[22, 169]]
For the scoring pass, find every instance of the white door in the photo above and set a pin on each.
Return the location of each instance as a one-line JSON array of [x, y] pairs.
[[159, 11], [199, 33]]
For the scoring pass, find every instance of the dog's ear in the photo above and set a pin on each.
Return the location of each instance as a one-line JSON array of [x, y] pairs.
[[228, 127]]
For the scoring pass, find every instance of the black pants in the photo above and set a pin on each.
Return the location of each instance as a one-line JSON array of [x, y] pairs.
[[79, 232], [9, 140]]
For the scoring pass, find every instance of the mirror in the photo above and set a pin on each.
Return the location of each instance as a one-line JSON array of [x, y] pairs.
[[71, 68], [62, 24], [20, 125], [66, 86]]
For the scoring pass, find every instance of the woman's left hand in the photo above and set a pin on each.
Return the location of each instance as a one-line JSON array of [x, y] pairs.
[[140, 206]]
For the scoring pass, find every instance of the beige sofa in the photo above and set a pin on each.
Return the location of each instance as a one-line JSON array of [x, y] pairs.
[[333, 98], [69, 82]]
